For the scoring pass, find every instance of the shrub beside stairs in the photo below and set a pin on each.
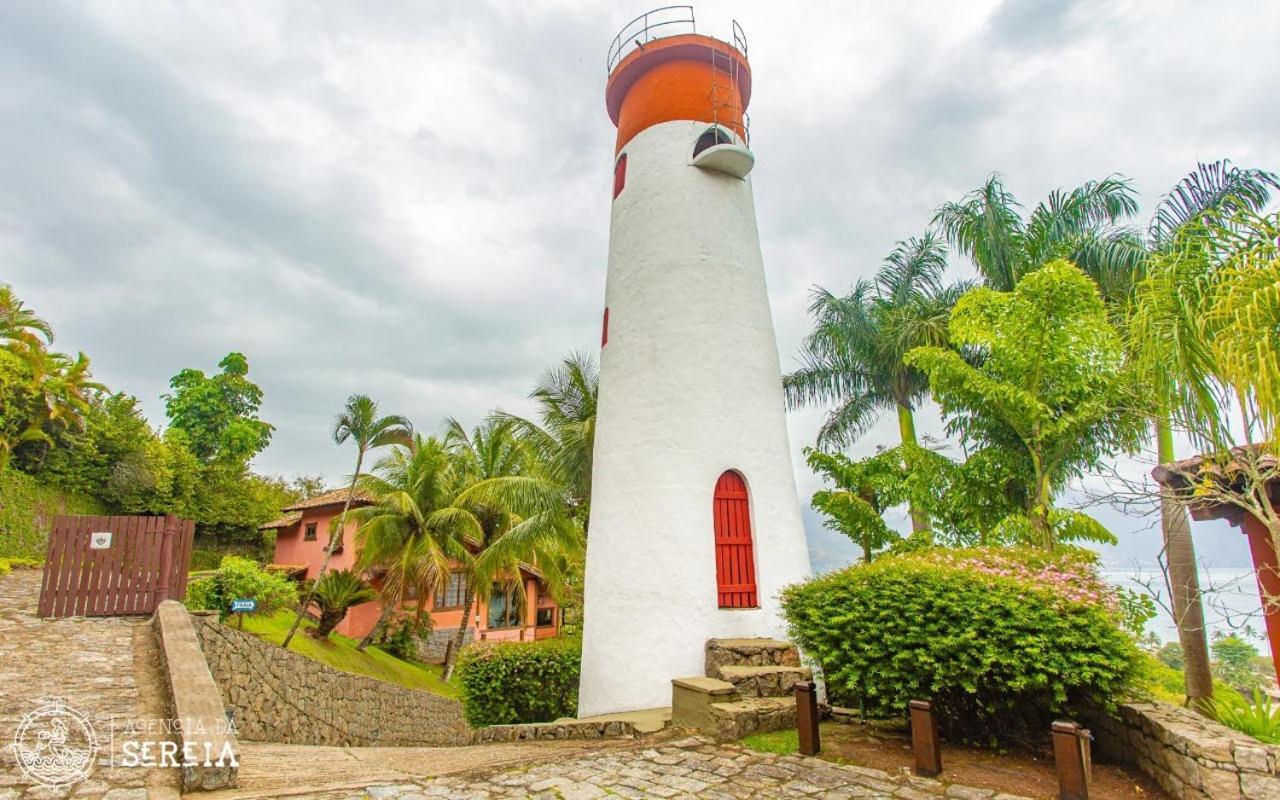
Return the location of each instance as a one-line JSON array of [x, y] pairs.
[[747, 689]]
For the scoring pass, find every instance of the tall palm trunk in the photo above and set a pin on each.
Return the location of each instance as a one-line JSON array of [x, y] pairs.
[[1184, 583], [907, 430], [334, 541], [388, 608], [451, 658]]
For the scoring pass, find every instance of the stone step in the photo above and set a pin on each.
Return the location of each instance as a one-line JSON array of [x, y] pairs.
[[748, 653], [734, 720], [768, 681]]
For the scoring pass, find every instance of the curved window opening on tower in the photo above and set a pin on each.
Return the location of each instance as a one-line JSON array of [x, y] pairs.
[[619, 175], [710, 138], [735, 559]]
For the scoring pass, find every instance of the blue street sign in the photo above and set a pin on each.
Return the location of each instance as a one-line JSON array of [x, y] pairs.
[[244, 606]]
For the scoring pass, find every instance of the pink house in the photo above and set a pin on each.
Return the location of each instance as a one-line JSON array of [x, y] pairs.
[[302, 534]]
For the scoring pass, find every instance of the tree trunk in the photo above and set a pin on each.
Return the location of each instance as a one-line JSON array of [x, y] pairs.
[[907, 430], [451, 659], [388, 608], [334, 541], [328, 621], [1040, 500], [1184, 584]]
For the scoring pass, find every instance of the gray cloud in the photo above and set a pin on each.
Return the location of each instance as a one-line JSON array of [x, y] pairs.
[[410, 199]]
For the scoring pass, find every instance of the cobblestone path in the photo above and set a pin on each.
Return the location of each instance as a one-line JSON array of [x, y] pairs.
[[688, 768], [103, 667]]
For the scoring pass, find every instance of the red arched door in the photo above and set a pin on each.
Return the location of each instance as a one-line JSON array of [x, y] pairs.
[[735, 562]]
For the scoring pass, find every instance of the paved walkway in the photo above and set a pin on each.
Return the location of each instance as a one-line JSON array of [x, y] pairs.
[[687, 768], [105, 668]]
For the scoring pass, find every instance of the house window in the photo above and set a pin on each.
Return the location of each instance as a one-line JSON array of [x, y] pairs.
[[546, 617], [735, 561], [309, 534], [619, 175], [336, 550], [712, 137], [452, 593], [504, 609]]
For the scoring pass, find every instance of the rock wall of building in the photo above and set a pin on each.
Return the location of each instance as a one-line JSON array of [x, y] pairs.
[[279, 696], [1190, 756]]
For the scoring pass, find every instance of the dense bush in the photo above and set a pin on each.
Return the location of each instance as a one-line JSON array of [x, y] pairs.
[[27, 509], [503, 684], [999, 640], [241, 579]]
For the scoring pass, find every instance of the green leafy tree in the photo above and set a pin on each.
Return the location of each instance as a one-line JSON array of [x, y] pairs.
[[1234, 662], [853, 358], [1079, 225], [564, 438], [218, 413], [334, 594], [511, 514], [1045, 378], [20, 327], [358, 422], [410, 536]]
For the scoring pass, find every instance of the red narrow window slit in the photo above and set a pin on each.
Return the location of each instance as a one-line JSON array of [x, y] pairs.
[[604, 329], [735, 562], [619, 175]]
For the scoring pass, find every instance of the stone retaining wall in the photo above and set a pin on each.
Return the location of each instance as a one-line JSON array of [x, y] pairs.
[[436, 644], [1190, 756], [555, 730], [280, 696]]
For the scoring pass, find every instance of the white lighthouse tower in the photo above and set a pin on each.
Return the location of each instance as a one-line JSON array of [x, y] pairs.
[[695, 523]]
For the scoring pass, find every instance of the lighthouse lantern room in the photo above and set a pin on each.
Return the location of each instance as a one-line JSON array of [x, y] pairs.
[[695, 524]]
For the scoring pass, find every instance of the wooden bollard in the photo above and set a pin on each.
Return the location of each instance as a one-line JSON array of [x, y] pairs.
[[807, 717], [1073, 758], [925, 745]]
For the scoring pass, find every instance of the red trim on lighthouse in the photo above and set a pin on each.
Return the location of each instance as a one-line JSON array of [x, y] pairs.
[[604, 328], [735, 559]]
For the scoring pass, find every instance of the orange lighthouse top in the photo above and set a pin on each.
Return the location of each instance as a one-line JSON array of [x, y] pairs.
[[661, 69]]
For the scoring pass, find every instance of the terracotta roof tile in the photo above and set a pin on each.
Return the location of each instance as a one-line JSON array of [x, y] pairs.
[[282, 522], [335, 497]]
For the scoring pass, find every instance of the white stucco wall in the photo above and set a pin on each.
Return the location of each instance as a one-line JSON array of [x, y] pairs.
[[690, 386]]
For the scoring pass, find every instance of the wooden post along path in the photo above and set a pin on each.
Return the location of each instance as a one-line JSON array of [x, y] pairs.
[[1073, 758], [925, 744], [807, 718]]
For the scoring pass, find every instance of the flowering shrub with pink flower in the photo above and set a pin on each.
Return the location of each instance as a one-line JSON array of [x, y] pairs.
[[999, 639]]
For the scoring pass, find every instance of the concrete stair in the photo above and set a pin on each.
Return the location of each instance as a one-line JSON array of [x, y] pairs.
[[748, 688]]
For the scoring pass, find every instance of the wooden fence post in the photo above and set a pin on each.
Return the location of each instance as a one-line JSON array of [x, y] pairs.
[[1072, 756], [925, 745], [166, 559], [807, 717]]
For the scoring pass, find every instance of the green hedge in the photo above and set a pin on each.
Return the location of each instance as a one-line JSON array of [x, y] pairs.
[[999, 640], [504, 684], [27, 509]]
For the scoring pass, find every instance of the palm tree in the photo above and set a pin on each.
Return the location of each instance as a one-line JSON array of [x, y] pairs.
[[511, 513], [567, 395], [1166, 343], [853, 357], [19, 325], [359, 422], [335, 593], [986, 225], [409, 534]]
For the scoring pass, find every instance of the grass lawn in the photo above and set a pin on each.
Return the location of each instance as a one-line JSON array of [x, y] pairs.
[[340, 652], [785, 742]]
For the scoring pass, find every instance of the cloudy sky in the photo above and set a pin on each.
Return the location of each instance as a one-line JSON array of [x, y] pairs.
[[412, 199]]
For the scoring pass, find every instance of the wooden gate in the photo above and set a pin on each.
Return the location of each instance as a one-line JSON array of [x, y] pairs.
[[735, 561], [113, 566]]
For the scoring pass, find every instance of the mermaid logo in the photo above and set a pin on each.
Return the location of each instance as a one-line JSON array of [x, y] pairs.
[[55, 745]]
